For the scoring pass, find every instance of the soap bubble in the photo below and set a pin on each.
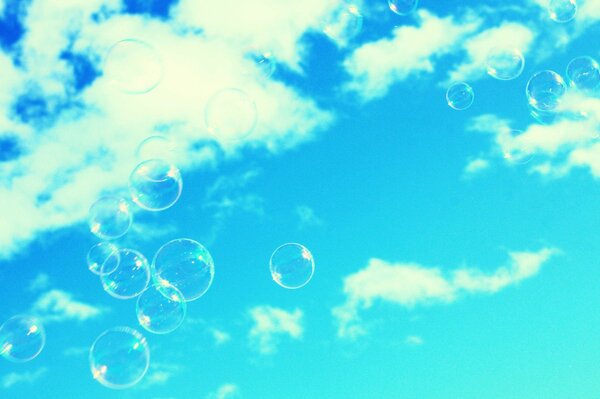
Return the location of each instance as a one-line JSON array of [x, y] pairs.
[[562, 10], [230, 114], [161, 309], [513, 152], [100, 254], [460, 96], [130, 278], [263, 61], [156, 147], [133, 66], [119, 358], [583, 73], [110, 218], [292, 265], [403, 7], [22, 339], [155, 185], [545, 90], [505, 63], [344, 24], [186, 265]]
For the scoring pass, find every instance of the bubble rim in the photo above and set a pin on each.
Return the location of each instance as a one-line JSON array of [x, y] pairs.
[[159, 288], [312, 264], [132, 189], [211, 130], [99, 272], [148, 275], [37, 322], [129, 213]]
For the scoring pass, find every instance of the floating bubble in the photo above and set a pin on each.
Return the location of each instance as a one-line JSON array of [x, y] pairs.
[[22, 339], [583, 73], [562, 10], [403, 7], [110, 218], [130, 278], [505, 63], [156, 147], [119, 358], [511, 152], [100, 254], [292, 265], [263, 61], [545, 90], [133, 66], [460, 96], [155, 185], [344, 24], [230, 114], [186, 265], [161, 309]]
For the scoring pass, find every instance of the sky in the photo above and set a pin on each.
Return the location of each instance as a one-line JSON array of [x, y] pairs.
[[442, 269]]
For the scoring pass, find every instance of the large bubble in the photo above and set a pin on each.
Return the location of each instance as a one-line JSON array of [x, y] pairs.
[[230, 114], [22, 338], [155, 185], [403, 7], [583, 73], [186, 265], [562, 10], [133, 66], [460, 96], [119, 358], [344, 24], [161, 309], [131, 276], [505, 63], [156, 147], [545, 90], [292, 265], [110, 218], [99, 258]]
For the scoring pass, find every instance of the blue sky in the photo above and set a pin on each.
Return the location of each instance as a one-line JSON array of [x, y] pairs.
[[442, 270]]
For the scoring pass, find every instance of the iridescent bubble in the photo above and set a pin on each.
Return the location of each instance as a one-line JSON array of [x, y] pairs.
[[22, 338], [186, 265], [460, 96], [403, 7], [292, 265], [110, 218], [263, 61], [161, 309], [156, 147], [545, 90], [513, 153], [133, 66], [155, 185], [119, 358], [505, 63], [562, 10], [344, 24], [99, 258], [230, 114], [130, 278], [583, 73]]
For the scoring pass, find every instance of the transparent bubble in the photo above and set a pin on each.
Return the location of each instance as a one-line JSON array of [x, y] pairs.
[[155, 185], [161, 309], [130, 278], [100, 254], [133, 66], [22, 338], [119, 358], [505, 63], [515, 154], [562, 10], [110, 218], [263, 61], [403, 7], [186, 265], [344, 24], [230, 114], [156, 147], [583, 73], [292, 265], [545, 90], [460, 96]]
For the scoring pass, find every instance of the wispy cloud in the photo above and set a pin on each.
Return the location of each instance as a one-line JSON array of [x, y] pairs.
[[28, 377], [221, 337], [307, 217], [414, 340], [39, 283], [59, 306], [159, 374], [475, 166], [225, 391], [270, 324]]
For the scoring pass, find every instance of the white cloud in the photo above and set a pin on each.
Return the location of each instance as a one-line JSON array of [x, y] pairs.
[[225, 391], [410, 284], [39, 283], [270, 323], [307, 217], [414, 340], [221, 337], [59, 306], [159, 374], [27, 377], [476, 165]]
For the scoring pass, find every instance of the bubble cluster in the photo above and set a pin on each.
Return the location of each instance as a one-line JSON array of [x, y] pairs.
[[460, 96], [155, 185], [562, 10], [22, 338], [156, 147], [130, 278], [292, 265], [344, 24], [583, 73], [403, 7], [161, 309], [99, 258], [505, 63], [545, 90], [133, 66], [230, 114], [110, 218]]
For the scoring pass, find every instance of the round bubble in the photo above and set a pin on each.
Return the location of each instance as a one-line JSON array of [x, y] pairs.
[[156, 147], [130, 278], [513, 154], [119, 358], [22, 338], [186, 265], [344, 24], [263, 62], [292, 265], [155, 185], [583, 73], [545, 90], [230, 114], [562, 10], [460, 96], [133, 66], [110, 218], [505, 63], [100, 254], [403, 7], [161, 309]]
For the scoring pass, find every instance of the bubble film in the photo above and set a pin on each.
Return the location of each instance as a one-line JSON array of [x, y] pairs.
[[583, 73], [292, 265], [130, 278], [133, 66], [155, 185], [460, 96], [161, 309], [22, 338], [562, 10], [505, 63], [110, 218], [545, 90], [344, 24], [230, 115], [100, 254], [403, 7]]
